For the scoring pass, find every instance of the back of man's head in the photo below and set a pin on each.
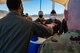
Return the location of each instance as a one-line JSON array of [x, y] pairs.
[[13, 4], [74, 14], [74, 8]]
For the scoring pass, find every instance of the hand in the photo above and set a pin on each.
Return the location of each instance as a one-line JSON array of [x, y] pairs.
[[51, 25], [54, 24]]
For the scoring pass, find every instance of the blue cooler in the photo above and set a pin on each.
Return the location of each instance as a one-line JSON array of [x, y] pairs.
[[33, 45], [34, 38]]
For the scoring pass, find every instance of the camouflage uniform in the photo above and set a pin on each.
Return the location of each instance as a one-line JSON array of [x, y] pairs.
[[66, 43]]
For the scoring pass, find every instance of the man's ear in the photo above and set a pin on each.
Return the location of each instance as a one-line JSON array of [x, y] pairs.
[[66, 14], [21, 7]]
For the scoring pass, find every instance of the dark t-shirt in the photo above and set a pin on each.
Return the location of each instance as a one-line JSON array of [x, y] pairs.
[[16, 32], [64, 26]]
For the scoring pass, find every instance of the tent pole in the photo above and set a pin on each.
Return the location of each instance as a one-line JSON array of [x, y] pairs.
[[40, 5], [53, 5]]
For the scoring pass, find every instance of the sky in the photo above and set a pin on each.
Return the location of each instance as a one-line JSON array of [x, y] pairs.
[[33, 6]]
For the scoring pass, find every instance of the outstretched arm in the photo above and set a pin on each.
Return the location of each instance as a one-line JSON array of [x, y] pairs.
[[41, 31]]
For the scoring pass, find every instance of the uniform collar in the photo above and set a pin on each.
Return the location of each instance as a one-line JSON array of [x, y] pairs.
[[76, 31]]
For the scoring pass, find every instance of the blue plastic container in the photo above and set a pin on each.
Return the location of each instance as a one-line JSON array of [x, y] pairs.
[[34, 38], [33, 45]]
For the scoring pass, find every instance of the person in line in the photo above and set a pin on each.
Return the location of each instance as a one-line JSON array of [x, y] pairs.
[[70, 41], [55, 22], [64, 26], [28, 17], [41, 19], [16, 32]]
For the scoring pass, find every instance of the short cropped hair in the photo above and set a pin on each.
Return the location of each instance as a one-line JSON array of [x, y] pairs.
[[13, 4]]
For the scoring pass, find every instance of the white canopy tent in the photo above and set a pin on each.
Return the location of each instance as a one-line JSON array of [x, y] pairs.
[[4, 1], [2, 12], [63, 2]]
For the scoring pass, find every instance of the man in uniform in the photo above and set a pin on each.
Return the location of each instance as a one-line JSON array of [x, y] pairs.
[[41, 19], [69, 42], [55, 22]]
